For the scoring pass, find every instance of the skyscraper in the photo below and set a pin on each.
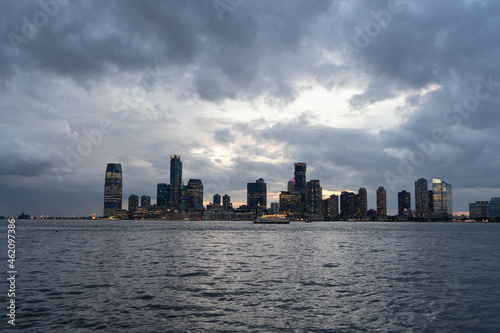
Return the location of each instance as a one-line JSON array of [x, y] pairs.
[[430, 201], [361, 203], [347, 204], [314, 195], [494, 210], [175, 181], [162, 194], [133, 204], [421, 198], [113, 189], [257, 194], [442, 198], [226, 203], [381, 201], [404, 203], [300, 184], [145, 200], [291, 185], [194, 195], [216, 199]]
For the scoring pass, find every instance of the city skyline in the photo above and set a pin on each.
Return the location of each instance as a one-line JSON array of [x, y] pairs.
[[367, 93]]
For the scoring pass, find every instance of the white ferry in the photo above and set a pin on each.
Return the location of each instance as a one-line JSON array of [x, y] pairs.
[[275, 219]]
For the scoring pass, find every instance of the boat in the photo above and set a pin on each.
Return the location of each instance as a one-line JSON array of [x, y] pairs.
[[272, 219]]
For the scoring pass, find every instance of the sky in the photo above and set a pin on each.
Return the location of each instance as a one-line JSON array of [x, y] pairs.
[[367, 93]]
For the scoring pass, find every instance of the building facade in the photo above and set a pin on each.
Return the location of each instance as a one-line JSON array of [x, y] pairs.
[[300, 184], [421, 198], [442, 198], [162, 194], [175, 181], [361, 203], [347, 204], [404, 203], [226, 203], [314, 195], [257, 194], [145, 200], [381, 202], [113, 188], [216, 200], [194, 196]]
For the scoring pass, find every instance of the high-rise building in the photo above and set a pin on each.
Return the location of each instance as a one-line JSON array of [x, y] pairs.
[[145, 200], [257, 194], [194, 196], [421, 198], [479, 209], [291, 185], [331, 207], [494, 208], [133, 204], [162, 194], [113, 188], [289, 203], [347, 204], [430, 201], [275, 207], [381, 201], [361, 203], [314, 195], [404, 203], [175, 181], [442, 198], [300, 184], [226, 203], [216, 199]]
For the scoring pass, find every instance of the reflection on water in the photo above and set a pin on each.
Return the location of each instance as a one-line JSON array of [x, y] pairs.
[[237, 276]]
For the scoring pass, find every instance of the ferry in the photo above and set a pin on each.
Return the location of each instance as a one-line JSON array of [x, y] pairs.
[[272, 219]]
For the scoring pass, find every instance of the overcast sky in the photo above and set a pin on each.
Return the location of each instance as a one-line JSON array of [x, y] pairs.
[[367, 93]]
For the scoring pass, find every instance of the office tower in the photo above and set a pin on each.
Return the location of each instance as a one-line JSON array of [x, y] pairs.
[[430, 201], [442, 198], [291, 185], [300, 184], [479, 209], [256, 194], [162, 194], [194, 196], [381, 202], [421, 198], [145, 200], [334, 205], [175, 181], [275, 207], [347, 200], [314, 195], [216, 199], [226, 203], [113, 189], [133, 204], [494, 208], [404, 203], [289, 203], [361, 203]]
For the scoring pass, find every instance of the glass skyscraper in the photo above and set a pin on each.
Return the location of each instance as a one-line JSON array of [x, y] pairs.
[[194, 195], [162, 194], [300, 184], [257, 194], [113, 189], [442, 198], [175, 181]]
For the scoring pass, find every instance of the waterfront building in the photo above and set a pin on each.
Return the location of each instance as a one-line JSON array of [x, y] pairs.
[[381, 202], [133, 204], [289, 203], [226, 203], [216, 200], [314, 195], [479, 209], [300, 184], [347, 204], [291, 185], [361, 203], [257, 194], [442, 198], [162, 194], [275, 207], [430, 201], [176, 185], [494, 208], [145, 200], [194, 196], [421, 198], [404, 203], [113, 187]]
